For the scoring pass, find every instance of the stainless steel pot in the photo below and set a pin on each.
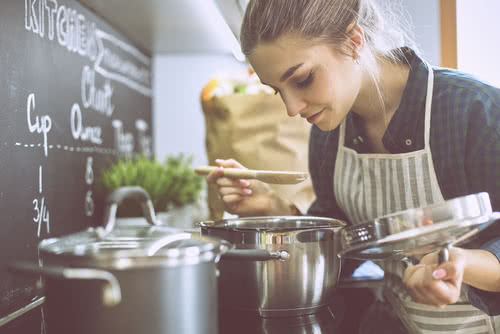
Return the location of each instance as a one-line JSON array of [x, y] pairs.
[[281, 266], [130, 279]]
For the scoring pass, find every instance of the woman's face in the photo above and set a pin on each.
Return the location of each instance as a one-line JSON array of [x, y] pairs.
[[314, 81]]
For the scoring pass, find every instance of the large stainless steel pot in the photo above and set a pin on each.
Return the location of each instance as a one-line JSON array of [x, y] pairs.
[[281, 266], [130, 279]]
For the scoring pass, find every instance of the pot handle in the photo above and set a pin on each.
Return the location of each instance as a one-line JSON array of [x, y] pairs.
[[114, 200], [111, 292], [255, 255]]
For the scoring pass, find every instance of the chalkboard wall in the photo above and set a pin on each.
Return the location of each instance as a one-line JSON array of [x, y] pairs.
[[74, 95]]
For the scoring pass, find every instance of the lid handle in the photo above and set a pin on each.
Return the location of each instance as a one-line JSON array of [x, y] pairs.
[[117, 196], [165, 241]]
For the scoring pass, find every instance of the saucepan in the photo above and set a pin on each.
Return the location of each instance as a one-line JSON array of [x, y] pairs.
[[282, 266], [143, 278], [290, 265]]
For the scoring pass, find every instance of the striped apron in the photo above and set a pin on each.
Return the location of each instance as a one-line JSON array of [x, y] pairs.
[[368, 186]]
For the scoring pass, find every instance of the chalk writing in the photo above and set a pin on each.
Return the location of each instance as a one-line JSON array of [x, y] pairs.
[[72, 29], [41, 124], [124, 141], [84, 149], [89, 179], [79, 132], [42, 215], [143, 139], [89, 172], [134, 74], [78, 34], [89, 204], [92, 97]]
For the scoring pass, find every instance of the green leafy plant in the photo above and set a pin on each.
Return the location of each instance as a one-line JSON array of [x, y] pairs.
[[171, 183]]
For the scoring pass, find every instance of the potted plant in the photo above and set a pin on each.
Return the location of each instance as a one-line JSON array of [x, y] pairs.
[[173, 186]]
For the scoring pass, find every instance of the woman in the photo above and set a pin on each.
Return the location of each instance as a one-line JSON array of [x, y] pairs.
[[389, 133]]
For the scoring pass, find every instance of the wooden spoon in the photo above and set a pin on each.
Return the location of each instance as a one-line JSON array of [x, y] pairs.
[[274, 177]]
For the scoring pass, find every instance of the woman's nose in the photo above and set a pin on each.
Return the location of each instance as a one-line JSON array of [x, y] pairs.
[[294, 104]]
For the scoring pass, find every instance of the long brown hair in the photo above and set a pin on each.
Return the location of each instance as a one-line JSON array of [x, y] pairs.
[[384, 24]]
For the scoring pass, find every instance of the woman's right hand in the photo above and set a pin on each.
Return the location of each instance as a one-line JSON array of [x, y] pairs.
[[245, 197]]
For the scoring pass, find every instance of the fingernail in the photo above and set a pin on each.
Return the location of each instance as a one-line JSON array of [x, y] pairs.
[[438, 274], [219, 160], [247, 191], [244, 183]]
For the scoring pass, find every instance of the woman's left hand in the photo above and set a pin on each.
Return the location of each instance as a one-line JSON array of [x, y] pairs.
[[433, 284]]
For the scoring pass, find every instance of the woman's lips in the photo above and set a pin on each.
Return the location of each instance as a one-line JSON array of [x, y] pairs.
[[312, 119]]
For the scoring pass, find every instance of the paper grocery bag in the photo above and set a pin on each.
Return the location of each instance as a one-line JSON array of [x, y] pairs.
[[256, 131]]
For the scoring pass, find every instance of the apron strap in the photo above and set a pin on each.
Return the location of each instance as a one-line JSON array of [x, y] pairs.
[[342, 134], [428, 104]]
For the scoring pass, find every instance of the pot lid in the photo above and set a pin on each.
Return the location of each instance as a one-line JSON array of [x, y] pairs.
[[130, 246], [273, 223], [415, 232], [134, 244]]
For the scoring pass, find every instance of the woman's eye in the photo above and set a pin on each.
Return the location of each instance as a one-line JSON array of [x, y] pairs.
[[306, 81]]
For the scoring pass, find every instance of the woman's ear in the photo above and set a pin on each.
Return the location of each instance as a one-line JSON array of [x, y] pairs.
[[355, 39]]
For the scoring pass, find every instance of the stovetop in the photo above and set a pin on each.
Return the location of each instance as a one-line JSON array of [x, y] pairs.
[[326, 320], [345, 306]]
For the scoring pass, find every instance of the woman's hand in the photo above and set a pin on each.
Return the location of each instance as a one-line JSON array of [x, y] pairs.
[[245, 197], [433, 284]]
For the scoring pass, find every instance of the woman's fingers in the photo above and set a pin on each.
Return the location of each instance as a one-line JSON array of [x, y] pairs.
[[230, 190], [218, 174], [227, 187], [227, 182], [434, 285], [227, 191], [421, 286], [229, 163], [448, 271], [232, 198], [242, 196], [448, 278], [212, 177]]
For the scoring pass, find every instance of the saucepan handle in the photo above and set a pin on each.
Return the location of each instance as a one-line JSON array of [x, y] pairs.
[[443, 254], [111, 293], [255, 255]]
